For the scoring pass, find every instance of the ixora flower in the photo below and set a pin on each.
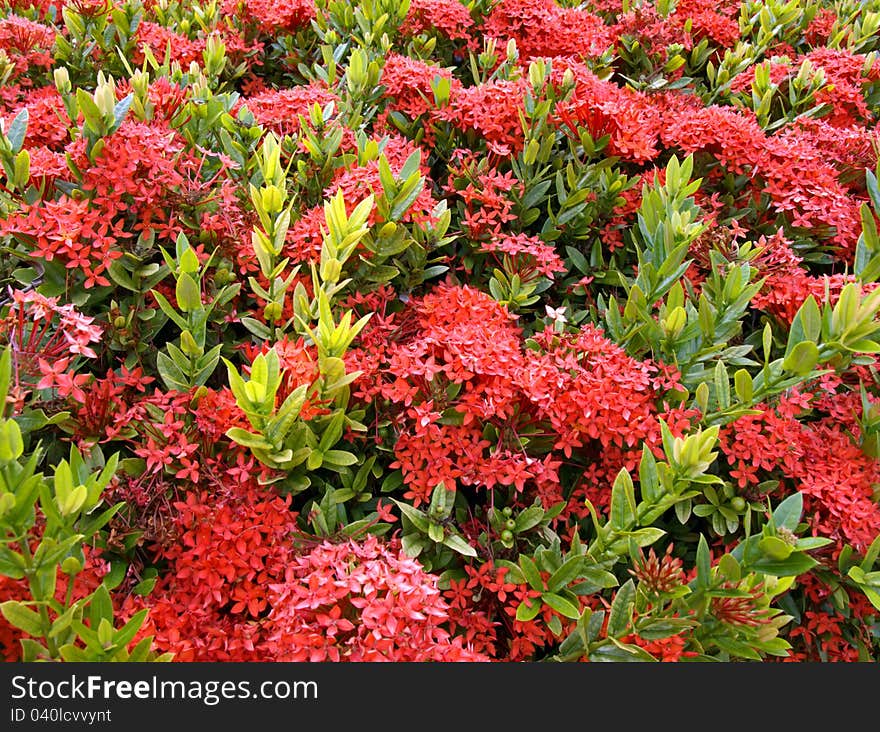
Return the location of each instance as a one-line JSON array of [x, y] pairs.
[[46, 340], [527, 255], [37, 325], [515, 330], [360, 602]]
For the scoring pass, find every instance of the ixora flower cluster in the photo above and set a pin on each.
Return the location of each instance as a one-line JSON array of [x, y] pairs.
[[499, 330]]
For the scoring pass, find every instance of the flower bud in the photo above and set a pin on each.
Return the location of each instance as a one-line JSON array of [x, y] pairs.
[[71, 566], [331, 269], [7, 503], [189, 346], [272, 198], [272, 312], [73, 501], [140, 83], [105, 100], [62, 81], [674, 322]]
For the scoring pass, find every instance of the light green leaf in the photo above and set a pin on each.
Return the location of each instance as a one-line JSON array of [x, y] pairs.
[[458, 544], [561, 605], [22, 617]]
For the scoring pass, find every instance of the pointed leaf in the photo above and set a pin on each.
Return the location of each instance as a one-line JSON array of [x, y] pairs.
[[531, 573], [561, 605], [22, 618], [623, 502], [622, 609], [788, 513], [17, 130], [458, 544], [528, 610], [569, 571]]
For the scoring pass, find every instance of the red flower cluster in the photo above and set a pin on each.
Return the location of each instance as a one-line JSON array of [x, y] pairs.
[[360, 602], [543, 28], [523, 381]]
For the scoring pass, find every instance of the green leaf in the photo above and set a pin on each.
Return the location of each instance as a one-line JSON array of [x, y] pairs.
[[92, 115], [435, 533], [100, 606], [797, 564], [259, 329], [188, 293], [767, 341], [50, 552], [63, 621], [873, 190], [169, 310], [411, 165], [863, 345], [127, 632], [729, 567], [649, 478], [811, 318], [172, 376], [664, 628], [206, 365], [458, 544], [871, 555], [808, 543], [339, 459], [594, 579], [736, 648], [704, 566], [722, 385], [404, 199], [527, 610], [74, 654], [333, 431], [22, 617], [413, 545], [802, 359], [647, 536], [416, 517], [742, 383], [616, 652], [577, 259], [528, 519], [248, 439], [17, 130], [561, 605], [11, 563], [144, 587], [386, 177], [623, 502], [121, 109], [622, 609], [787, 514], [569, 571], [869, 228], [531, 573], [775, 548]]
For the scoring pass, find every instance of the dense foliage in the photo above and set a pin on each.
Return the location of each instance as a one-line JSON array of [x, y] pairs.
[[421, 330]]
